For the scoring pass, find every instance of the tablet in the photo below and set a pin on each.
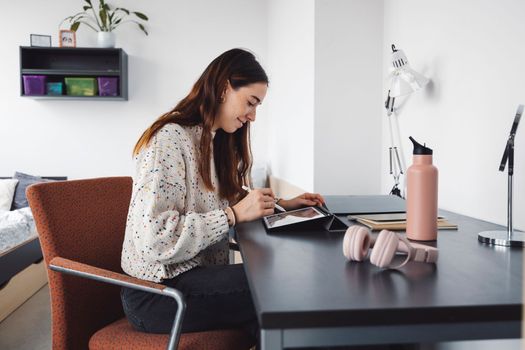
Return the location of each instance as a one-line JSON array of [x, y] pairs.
[[293, 217]]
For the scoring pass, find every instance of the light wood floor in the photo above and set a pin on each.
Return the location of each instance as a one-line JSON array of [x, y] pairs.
[[29, 326]]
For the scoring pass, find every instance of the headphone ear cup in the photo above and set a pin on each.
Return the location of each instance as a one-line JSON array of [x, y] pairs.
[[356, 243], [384, 249]]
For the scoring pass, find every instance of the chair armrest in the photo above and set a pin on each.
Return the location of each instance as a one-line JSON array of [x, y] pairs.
[[84, 270], [75, 268]]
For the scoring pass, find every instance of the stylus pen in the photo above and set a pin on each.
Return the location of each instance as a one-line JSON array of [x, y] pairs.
[[246, 188]]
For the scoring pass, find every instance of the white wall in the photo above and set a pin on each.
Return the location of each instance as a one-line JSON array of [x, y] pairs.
[[348, 93], [291, 93], [473, 52], [325, 77], [95, 138]]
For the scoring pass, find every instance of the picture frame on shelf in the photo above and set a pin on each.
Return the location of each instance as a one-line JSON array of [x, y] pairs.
[[39, 40], [67, 38]]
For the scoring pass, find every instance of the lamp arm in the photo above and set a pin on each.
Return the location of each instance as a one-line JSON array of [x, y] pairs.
[[396, 160], [389, 104]]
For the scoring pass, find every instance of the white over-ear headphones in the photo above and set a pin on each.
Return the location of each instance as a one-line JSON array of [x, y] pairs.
[[358, 240]]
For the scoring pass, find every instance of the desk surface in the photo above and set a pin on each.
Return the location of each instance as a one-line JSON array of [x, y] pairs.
[[302, 280]]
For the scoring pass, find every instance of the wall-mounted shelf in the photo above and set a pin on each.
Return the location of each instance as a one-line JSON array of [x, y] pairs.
[[56, 63]]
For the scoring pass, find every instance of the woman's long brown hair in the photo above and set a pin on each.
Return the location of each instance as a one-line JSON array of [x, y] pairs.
[[231, 152]]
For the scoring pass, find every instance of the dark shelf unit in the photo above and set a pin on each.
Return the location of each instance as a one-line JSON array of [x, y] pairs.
[[56, 63]]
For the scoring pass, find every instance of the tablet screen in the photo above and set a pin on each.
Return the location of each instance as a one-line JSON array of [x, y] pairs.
[[292, 217]]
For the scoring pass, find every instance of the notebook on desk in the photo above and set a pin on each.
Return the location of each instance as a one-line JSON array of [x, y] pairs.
[[340, 205], [395, 221]]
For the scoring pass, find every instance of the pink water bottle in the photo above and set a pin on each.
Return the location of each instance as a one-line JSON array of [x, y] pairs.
[[422, 195]]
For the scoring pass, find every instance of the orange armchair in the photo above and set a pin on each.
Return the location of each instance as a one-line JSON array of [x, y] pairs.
[[81, 226]]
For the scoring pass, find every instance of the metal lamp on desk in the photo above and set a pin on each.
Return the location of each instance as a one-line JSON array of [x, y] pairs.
[[403, 81]]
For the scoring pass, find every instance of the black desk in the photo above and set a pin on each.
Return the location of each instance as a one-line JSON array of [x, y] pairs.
[[307, 294]]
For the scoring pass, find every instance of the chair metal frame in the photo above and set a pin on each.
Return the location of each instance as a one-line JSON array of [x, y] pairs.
[[56, 264]]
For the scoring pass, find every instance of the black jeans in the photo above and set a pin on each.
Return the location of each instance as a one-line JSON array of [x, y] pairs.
[[217, 297]]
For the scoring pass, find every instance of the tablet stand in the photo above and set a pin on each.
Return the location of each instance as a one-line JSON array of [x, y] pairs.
[[508, 238]]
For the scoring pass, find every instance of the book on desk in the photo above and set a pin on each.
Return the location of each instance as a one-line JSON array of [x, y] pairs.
[[394, 221]]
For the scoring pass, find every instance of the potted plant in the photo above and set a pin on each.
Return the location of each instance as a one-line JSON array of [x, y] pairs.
[[104, 20]]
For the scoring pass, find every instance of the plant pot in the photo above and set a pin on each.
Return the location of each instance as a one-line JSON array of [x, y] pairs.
[[106, 39]]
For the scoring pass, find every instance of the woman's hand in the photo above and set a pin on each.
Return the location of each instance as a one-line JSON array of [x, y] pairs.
[[304, 200], [258, 203]]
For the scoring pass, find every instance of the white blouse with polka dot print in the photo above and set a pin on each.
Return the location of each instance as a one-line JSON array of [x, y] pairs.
[[174, 223]]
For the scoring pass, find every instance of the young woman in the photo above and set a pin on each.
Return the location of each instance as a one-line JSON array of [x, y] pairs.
[[191, 165]]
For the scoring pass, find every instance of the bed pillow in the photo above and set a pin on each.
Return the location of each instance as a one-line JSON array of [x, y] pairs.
[[24, 180], [7, 192]]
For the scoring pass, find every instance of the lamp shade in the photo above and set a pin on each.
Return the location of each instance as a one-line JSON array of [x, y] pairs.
[[403, 79]]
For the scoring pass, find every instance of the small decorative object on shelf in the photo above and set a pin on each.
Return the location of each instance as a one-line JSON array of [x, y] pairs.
[[106, 39], [107, 86], [34, 84], [74, 73], [105, 20], [81, 86], [38, 40], [67, 38], [54, 88]]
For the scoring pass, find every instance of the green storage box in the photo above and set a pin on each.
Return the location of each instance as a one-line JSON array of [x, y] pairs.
[[81, 86]]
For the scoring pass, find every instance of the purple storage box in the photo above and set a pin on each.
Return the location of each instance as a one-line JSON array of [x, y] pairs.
[[34, 84], [108, 86]]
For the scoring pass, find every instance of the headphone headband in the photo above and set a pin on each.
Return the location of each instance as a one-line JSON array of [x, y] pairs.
[[357, 241]]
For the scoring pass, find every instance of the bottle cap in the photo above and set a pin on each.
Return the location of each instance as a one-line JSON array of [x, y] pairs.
[[419, 148]]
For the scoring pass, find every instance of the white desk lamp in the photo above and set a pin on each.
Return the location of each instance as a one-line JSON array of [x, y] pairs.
[[403, 81]]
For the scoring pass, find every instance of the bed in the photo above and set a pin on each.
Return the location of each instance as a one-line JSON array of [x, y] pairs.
[[22, 271]]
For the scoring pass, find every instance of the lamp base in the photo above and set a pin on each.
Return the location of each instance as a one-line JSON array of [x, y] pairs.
[[395, 191], [516, 239]]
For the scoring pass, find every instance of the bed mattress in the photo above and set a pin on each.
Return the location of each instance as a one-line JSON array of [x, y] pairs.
[[16, 227]]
